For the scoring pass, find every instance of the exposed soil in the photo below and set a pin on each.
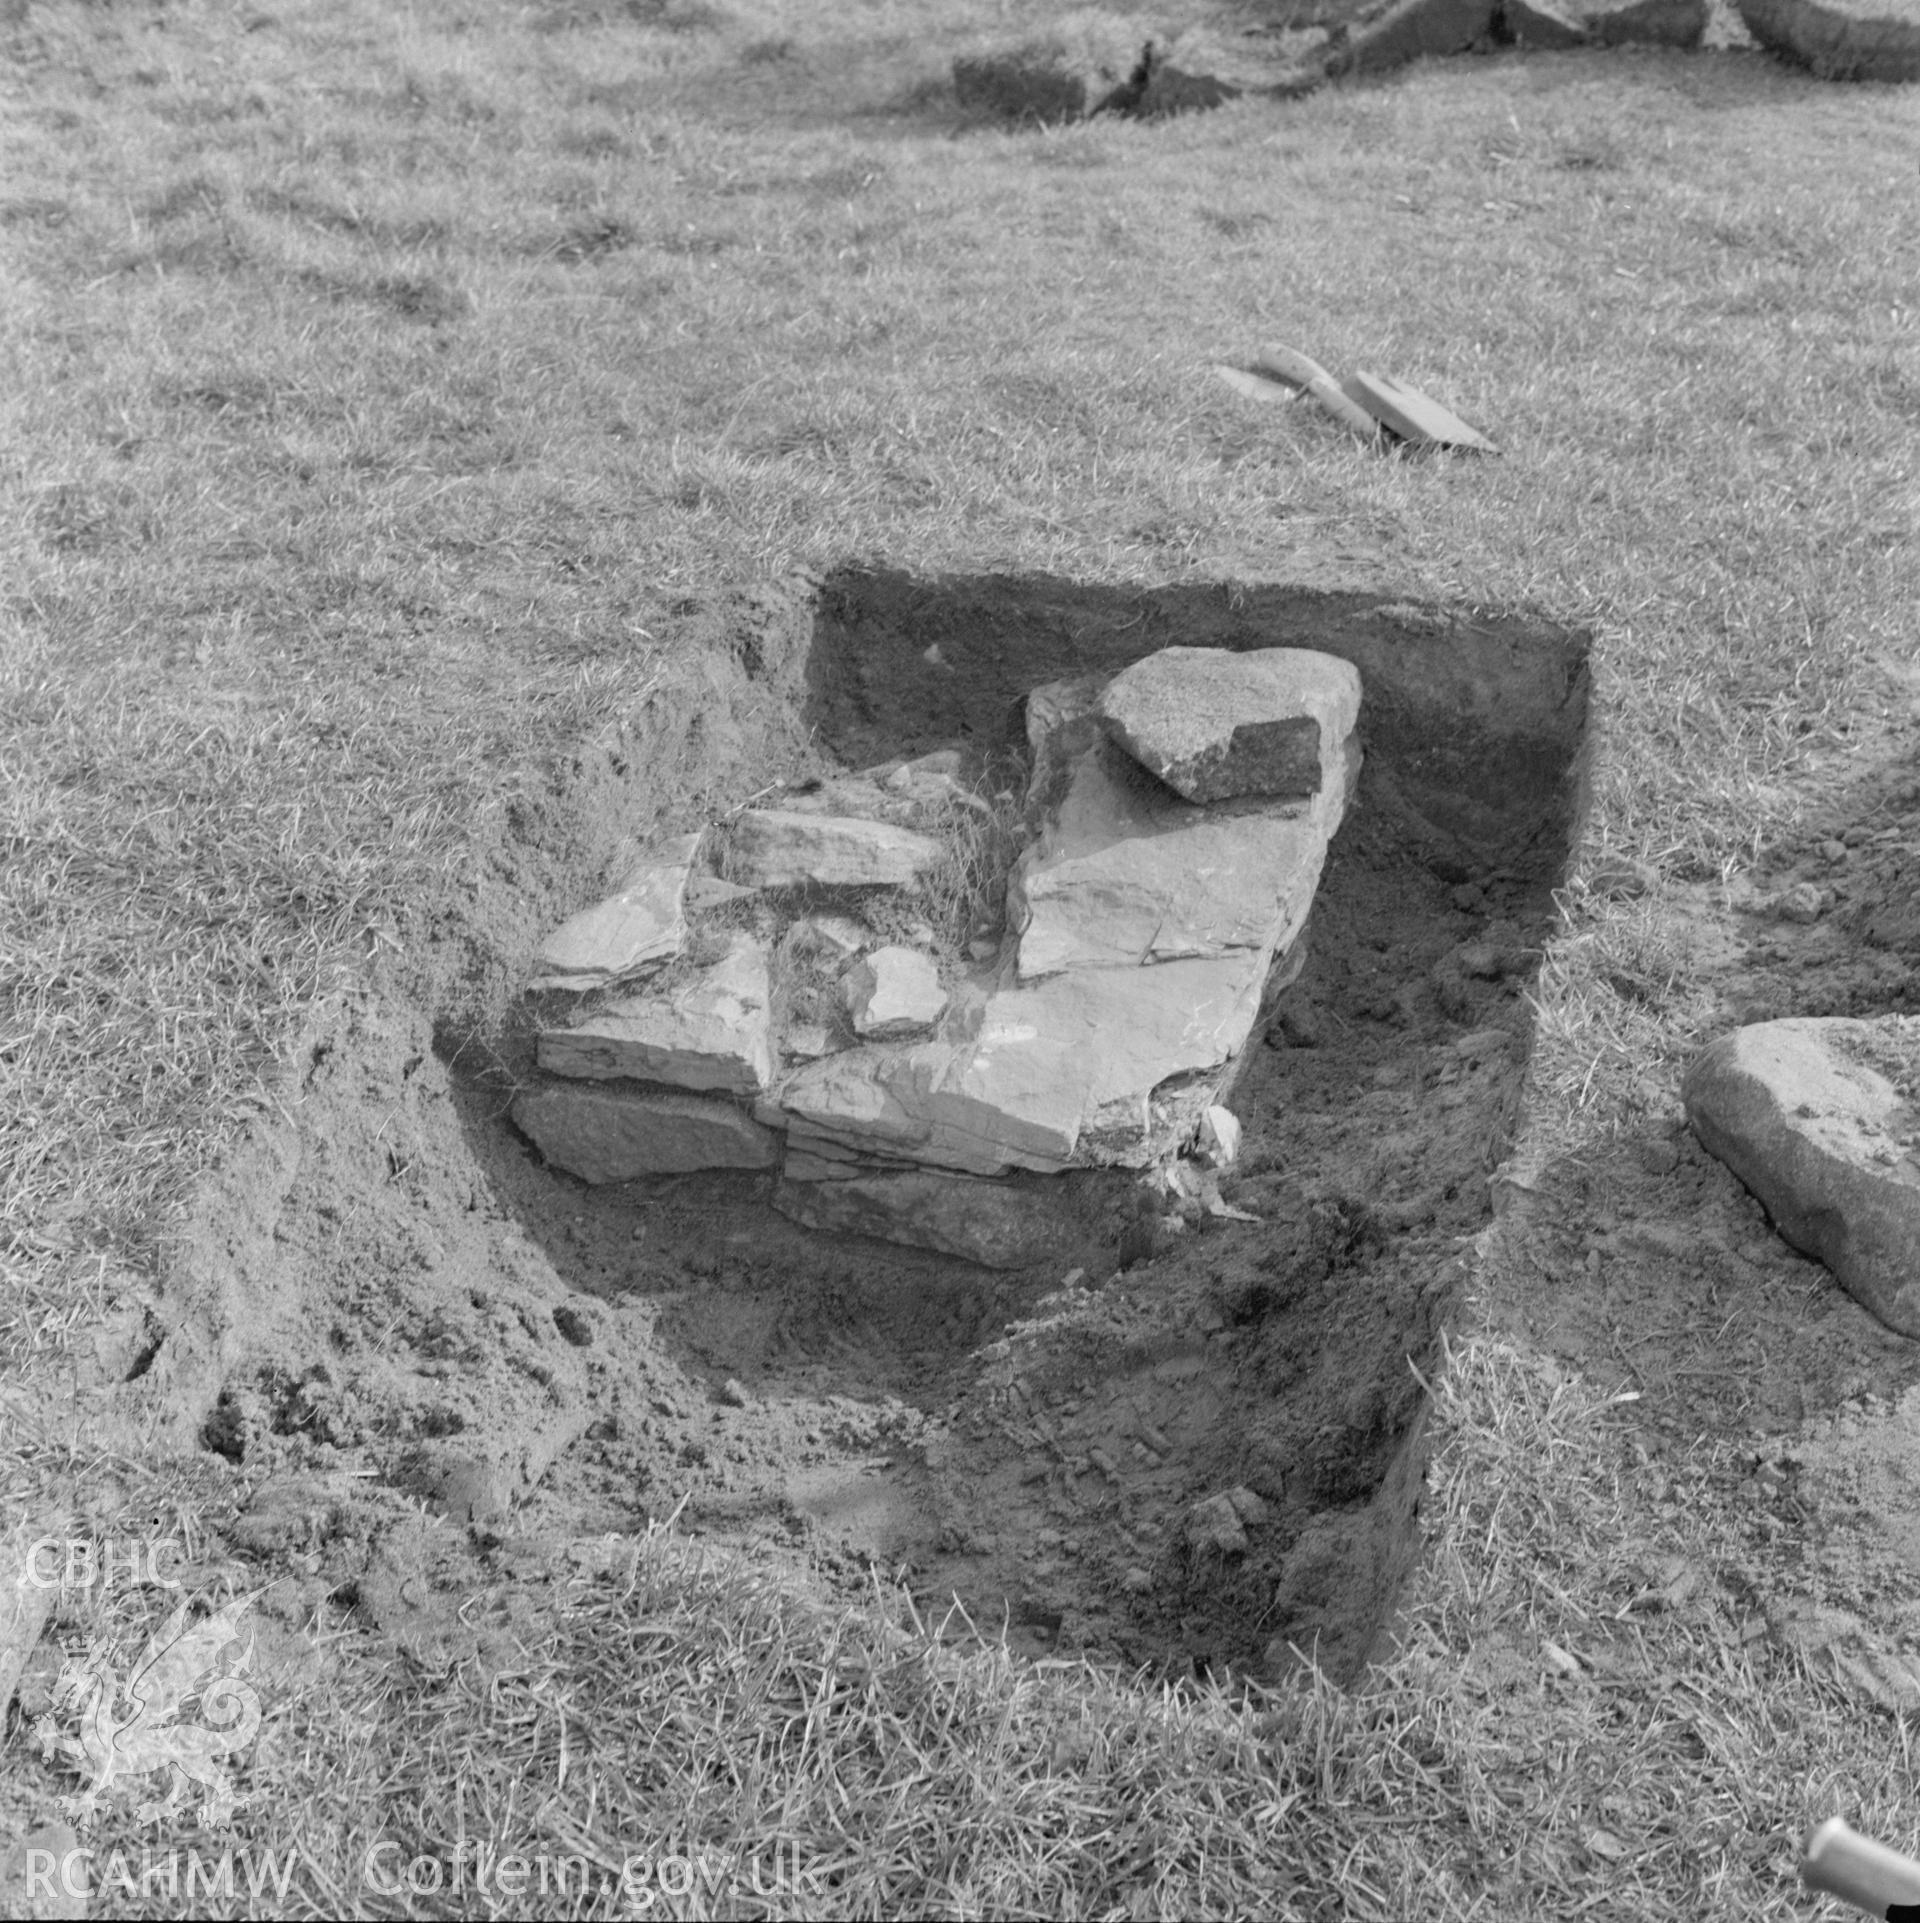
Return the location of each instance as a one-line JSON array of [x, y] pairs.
[[433, 1366]]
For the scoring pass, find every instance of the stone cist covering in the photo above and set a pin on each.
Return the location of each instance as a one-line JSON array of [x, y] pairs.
[[1178, 817]]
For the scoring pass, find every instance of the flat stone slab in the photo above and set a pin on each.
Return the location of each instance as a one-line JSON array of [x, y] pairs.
[[787, 848], [997, 1226], [711, 1033], [1127, 874], [619, 1135], [1811, 1115], [906, 1105], [893, 993], [1118, 1034], [1035, 1068], [1214, 724], [644, 922], [1863, 40]]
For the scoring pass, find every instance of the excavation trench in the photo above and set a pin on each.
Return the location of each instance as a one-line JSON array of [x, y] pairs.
[[1194, 1445]]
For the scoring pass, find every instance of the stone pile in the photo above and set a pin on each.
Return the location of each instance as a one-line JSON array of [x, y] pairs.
[[1177, 820]]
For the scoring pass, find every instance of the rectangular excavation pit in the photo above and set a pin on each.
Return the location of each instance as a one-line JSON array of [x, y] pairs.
[[1186, 1429]]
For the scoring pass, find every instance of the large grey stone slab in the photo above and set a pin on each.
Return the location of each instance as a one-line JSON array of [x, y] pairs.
[[620, 1135], [1121, 1034], [642, 923], [1127, 874], [931, 1102], [1038, 1066], [712, 1032], [1214, 724], [785, 848], [997, 1226], [1811, 1115]]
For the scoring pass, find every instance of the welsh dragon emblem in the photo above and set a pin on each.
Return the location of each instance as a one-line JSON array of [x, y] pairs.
[[132, 1725]]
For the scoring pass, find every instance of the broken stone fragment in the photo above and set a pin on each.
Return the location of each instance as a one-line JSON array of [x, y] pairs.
[[780, 848], [893, 993], [904, 773], [1811, 1116], [1218, 1141], [1249, 1507], [833, 938], [807, 1041], [1215, 1524], [643, 922], [1214, 724], [991, 1223], [619, 1135], [712, 1032]]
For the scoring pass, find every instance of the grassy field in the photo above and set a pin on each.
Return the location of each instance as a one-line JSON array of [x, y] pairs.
[[387, 390]]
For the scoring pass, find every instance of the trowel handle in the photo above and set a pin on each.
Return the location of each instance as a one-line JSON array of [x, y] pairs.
[[1298, 371], [1858, 1870]]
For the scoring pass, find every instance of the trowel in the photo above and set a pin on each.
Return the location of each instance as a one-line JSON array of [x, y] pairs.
[[1841, 1862], [1366, 403]]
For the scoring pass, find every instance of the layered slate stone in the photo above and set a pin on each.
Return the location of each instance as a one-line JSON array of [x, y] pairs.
[[1147, 930], [644, 922], [712, 1033], [1215, 725], [939, 1102], [894, 992], [1809, 1114], [1127, 874], [789, 848], [621, 1134], [997, 1226], [1123, 1045]]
